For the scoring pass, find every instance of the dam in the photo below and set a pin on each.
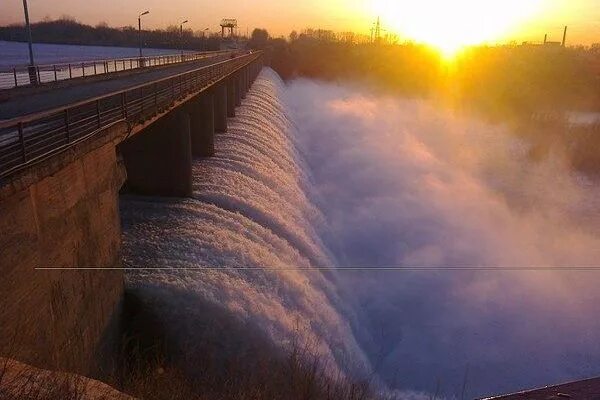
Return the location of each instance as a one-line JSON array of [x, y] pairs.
[[62, 171], [308, 225]]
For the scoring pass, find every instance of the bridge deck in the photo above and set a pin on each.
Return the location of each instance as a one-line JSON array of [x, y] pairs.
[[52, 98], [65, 117]]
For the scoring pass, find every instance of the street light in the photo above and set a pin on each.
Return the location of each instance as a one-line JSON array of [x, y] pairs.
[[32, 73], [181, 36], [140, 29], [204, 46]]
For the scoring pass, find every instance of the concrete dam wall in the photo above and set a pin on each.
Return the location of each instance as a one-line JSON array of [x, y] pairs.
[[63, 213], [60, 231]]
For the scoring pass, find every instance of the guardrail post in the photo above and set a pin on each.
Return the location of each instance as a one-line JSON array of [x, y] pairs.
[[95, 70], [124, 104], [15, 74], [141, 104], [55, 73], [98, 113], [155, 99], [83, 69], [70, 72], [22, 142], [33, 80], [172, 90], [67, 130]]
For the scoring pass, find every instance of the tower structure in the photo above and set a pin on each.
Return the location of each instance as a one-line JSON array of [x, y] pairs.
[[228, 24]]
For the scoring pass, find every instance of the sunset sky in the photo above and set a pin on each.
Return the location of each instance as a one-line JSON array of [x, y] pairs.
[[447, 24]]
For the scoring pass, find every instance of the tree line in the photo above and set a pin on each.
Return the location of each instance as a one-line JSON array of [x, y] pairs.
[[512, 84], [505, 79], [66, 30]]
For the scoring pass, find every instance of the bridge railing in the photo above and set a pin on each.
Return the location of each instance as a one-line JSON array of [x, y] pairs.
[[26, 75], [25, 140]]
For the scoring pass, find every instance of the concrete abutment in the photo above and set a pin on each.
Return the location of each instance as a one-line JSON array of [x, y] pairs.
[[63, 213]]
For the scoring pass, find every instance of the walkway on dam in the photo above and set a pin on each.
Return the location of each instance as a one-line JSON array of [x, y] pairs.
[[26, 103]]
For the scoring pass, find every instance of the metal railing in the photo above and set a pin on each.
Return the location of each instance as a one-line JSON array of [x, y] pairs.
[[26, 75], [27, 139]]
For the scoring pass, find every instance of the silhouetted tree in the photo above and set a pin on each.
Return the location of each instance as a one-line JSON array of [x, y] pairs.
[[259, 39], [67, 30]]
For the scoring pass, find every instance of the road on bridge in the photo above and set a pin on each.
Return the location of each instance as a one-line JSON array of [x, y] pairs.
[[30, 103]]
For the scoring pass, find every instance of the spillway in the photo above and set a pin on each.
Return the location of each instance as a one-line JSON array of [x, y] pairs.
[[246, 244]]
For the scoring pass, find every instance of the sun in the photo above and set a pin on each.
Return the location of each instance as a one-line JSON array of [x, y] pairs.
[[451, 25]]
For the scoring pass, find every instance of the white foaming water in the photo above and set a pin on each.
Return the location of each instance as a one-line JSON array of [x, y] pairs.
[[365, 180], [251, 217]]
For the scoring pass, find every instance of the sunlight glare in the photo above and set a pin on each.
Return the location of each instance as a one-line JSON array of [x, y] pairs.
[[451, 25]]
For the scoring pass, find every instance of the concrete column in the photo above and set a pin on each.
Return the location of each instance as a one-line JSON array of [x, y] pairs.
[[244, 83], [231, 96], [202, 125], [220, 108], [238, 89], [158, 160]]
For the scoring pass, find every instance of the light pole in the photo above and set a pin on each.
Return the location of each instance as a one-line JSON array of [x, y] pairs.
[[31, 69], [140, 29], [181, 37], [204, 39]]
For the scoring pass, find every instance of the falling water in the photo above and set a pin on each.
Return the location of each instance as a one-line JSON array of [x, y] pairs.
[[365, 180], [251, 229]]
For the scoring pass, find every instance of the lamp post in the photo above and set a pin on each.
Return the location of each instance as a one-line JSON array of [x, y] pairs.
[[31, 69], [140, 30], [181, 37], [204, 39]]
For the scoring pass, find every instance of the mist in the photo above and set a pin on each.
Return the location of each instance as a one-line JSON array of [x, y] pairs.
[[405, 182], [313, 174]]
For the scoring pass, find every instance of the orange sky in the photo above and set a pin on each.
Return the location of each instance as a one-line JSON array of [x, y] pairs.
[[281, 16]]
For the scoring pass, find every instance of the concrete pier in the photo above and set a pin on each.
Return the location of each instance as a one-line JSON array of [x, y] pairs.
[[243, 82], [202, 125], [220, 108], [231, 96], [159, 161], [247, 76], [238, 89]]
